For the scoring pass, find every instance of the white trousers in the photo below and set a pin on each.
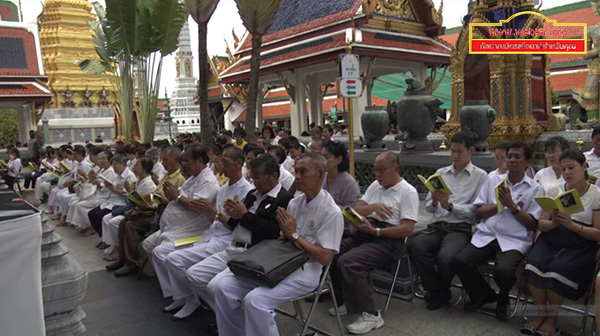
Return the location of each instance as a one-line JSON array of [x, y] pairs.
[[62, 200], [71, 208], [200, 274], [41, 186], [159, 257], [244, 307], [179, 261], [176, 263], [52, 201], [79, 215], [110, 229], [150, 243]]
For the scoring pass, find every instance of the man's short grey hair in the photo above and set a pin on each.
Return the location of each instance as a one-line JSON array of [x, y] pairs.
[[173, 152], [120, 159], [391, 157], [153, 154], [316, 160]]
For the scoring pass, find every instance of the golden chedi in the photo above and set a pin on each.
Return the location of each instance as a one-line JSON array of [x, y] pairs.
[[66, 37]]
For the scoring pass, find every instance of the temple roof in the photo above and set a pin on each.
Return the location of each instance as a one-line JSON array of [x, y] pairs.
[[19, 55], [9, 10], [308, 32]]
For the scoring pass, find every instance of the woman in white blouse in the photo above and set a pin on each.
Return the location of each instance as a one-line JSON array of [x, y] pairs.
[[561, 263], [13, 166], [551, 176]]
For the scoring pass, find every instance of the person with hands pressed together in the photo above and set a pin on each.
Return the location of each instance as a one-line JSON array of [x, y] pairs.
[[314, 224], [561, 263], [391, 206], [249, 221], [504, 236], [174, 282], [433, 249], [182, 218]]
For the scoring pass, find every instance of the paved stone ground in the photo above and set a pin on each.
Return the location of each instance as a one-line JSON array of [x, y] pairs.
[[127, 306]]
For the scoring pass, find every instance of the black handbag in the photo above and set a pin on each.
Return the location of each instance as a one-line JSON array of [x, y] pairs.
[[268, 262]]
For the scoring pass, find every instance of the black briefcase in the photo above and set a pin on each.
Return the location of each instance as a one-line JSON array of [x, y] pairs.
[[268, 262]]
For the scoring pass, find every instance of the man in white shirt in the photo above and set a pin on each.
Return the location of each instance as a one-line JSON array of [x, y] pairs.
[[174, 282], [391, 206], [505, 236], [182, 218], [433, 249], [593, 155], [80, 169], [314, 224]]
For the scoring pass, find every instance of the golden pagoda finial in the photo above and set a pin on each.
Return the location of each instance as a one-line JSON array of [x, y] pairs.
[[579, 143], [443, 146], [236, 40]]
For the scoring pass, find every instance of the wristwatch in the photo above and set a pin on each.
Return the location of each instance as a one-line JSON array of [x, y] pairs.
[[517, 210], [377, 232], [178, 197], [450, 207], [295, 236], [217, 215]]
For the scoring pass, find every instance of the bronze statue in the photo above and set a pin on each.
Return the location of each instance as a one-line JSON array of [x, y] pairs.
[[588, 97], [86, 101], [103, 102]]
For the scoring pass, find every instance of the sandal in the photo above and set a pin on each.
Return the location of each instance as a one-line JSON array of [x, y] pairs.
[[528, 329], [541, 332], [109, 258]]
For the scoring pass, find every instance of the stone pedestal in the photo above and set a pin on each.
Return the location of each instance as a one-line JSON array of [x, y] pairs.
[[64, 285], [79, 124]]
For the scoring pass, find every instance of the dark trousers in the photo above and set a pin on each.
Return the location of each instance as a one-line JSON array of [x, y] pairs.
[[360, 254], [31, 178], [432, 255], [10, 182], [95, 216], [131, 233], [505, 269]]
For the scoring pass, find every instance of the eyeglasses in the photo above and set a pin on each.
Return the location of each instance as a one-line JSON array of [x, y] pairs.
[[381, 170]]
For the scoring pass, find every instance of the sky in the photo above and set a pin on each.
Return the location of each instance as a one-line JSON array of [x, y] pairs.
[[227, 18]]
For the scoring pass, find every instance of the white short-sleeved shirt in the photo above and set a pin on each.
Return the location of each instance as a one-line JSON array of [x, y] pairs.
[[119, 182], [465, 187], [285, 178], [504, 226], [102, 191], [159, 170], [288, 164], [547, 178], [320, 222], [237, 192], [177, 222], [594, 162], [590, 200], [494, 174], [402, 198], [14, 167], [145, 186]]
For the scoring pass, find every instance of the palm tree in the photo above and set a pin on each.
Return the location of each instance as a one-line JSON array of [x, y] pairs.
[[257, 16], [133, 37], [201, 11]]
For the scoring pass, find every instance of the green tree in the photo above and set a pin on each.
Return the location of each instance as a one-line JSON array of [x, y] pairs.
[[9, 127], [257, 16], [201, 11], [132, 39]]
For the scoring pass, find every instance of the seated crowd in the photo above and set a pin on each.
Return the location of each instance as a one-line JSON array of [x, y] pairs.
[[183, 211]]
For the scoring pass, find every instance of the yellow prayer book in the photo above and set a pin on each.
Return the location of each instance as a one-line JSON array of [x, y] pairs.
[[64, 166], [32, 166], [435, 183], [567, 202], [48, 166], [186, 241], [352, 216], [104, 179], [136, 198], [497, 191], [3, 164], [592, 178]]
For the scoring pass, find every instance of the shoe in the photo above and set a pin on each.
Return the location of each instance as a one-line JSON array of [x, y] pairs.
[[114, 266], [502, 307], [126, 270], [341, 309], [480, 301], [436, 300], [365, 323]]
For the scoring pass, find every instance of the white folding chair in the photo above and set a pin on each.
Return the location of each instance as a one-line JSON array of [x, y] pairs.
[[323, 287]]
